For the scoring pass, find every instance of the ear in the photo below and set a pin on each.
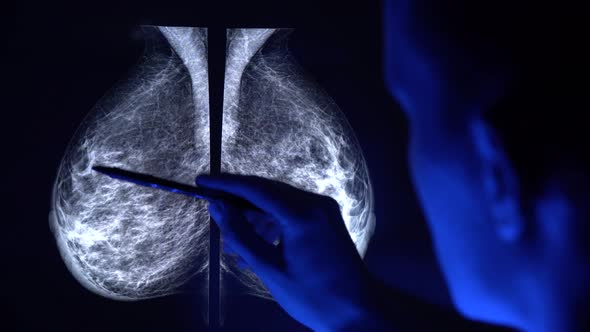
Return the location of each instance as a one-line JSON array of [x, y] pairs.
[[499, 181]]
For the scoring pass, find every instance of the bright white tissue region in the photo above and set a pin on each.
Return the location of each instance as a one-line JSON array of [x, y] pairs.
[[128, 242]]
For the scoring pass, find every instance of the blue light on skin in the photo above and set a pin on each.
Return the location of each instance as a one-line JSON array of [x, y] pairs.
[[505, 262]]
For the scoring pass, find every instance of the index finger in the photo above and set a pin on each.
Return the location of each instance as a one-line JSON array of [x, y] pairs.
[[273, 197]]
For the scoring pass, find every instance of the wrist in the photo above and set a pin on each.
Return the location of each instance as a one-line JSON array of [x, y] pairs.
[[365, 311]]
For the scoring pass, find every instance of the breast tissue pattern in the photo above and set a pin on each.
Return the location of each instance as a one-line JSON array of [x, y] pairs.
[[128, 242]]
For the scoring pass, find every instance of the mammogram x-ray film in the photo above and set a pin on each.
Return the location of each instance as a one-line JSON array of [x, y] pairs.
[[129, 242]]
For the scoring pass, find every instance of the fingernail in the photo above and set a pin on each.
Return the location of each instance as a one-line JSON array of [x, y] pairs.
[[276, 241]]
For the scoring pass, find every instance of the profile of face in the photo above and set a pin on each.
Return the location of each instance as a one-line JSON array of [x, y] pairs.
[[463, 179]]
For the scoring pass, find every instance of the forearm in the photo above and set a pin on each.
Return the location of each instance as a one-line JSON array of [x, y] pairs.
[[381, 309]]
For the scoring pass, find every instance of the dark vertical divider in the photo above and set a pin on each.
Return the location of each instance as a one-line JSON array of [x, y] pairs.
[[216, 49]]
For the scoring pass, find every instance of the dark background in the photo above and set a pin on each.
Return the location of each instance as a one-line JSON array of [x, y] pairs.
[[63, 57]]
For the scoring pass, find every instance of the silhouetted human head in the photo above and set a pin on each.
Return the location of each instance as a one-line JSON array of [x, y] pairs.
[[497, 150]]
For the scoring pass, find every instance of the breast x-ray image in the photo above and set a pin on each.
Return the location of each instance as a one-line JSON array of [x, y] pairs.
[[129, 242], [295, 166]]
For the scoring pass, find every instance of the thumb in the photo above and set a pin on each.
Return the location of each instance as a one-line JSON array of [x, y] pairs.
[[242, 237]]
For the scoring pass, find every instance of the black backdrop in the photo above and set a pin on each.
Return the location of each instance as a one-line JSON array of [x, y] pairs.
[[63, 57]]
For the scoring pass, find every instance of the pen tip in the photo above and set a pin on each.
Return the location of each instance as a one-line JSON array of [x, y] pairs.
[[100, 169]]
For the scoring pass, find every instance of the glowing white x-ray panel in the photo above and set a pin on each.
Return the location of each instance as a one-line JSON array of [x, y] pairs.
[[129, 242]]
